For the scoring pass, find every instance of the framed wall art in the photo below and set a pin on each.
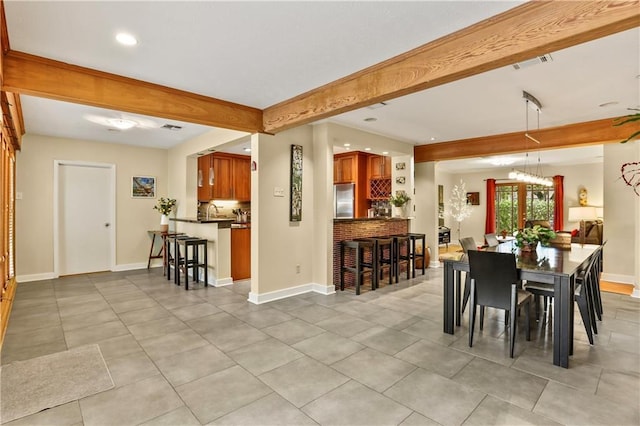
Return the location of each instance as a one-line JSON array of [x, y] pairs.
[[143, 187], [295, 210], [473, 198]]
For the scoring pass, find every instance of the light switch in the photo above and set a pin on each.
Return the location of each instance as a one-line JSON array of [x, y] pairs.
[[278, 192]]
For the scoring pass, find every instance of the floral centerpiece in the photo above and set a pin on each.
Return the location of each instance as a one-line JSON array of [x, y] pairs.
[[165, 207], [528, 238]]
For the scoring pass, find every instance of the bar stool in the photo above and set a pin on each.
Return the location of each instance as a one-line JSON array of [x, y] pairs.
[[413, 237], [357, 249], [162, 253], [173, 255], [383, 254], [400, 242], [192, 260]]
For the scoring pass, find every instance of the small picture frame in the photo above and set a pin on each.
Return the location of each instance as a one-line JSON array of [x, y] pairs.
[[400, 180], [473, 198], [143, 187], [400, 166]]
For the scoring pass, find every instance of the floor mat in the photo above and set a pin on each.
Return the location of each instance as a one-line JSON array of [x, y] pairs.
[[27, 387]]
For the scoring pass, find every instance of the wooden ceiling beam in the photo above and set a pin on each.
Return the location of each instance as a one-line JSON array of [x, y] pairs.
[[569, 136], [32, 75], [531, 29]]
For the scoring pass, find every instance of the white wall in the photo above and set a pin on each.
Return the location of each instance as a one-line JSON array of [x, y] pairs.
[[621, 216], [34, 212], [281, 248]]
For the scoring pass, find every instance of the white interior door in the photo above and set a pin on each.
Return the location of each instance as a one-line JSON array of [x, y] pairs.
[[84, 221]]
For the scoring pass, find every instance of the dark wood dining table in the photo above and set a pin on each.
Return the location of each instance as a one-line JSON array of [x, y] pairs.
[[548, 265]]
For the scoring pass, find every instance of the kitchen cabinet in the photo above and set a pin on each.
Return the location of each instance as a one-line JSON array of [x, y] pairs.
[[205, 182], [351, 167], [379, 177], [222, 182], [241, 253], [379, 167], [345, 168], [241, 178], [224, 177]]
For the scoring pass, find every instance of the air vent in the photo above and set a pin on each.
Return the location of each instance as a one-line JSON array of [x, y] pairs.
[[378, 105], [171, 127], [533, 61]]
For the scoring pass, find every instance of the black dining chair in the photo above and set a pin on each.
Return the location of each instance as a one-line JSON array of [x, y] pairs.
[[586, 281], [494, 283], [467, 243]]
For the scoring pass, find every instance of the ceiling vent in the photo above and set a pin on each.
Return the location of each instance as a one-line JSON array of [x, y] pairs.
[[378, 105], [533, 61], [171, 127]]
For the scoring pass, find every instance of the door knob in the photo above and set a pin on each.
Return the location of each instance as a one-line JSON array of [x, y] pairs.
[[106, 225]]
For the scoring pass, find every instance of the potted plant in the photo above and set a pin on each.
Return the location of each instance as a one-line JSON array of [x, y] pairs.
[[528, 238], [165, 207], [399, 202]]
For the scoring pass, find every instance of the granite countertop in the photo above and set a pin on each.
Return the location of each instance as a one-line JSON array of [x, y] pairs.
[[362, 219], [196, 220]]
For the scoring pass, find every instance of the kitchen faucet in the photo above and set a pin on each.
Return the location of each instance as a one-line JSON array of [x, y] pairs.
[[209, 209]]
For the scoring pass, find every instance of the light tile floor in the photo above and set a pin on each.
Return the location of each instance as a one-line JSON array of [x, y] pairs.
[[207, 356]]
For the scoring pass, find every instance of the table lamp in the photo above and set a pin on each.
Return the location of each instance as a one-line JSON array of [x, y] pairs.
[[580, 214]]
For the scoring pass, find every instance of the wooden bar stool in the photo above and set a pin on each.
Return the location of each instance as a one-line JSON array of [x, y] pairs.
[[401, 242], [357, 248], [173, 255], [413, 237], [383, 255], [192, 260]]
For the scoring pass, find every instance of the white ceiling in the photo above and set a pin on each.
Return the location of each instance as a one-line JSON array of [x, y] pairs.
[[261, 53]]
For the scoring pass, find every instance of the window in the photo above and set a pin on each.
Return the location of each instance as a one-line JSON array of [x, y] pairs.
[[518, 202]]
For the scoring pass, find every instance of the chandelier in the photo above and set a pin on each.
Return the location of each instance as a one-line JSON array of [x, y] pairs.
[[525, 175]]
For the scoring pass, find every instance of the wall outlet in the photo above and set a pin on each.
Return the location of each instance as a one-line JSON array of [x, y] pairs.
[[297, 269], [278, 192]]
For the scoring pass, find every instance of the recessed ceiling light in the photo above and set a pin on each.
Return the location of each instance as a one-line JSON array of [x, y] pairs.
[[121, 123], [370, 119], [433, 139], [367, 149], [346, 144], [247, 150], [385, 152], [126, 39]]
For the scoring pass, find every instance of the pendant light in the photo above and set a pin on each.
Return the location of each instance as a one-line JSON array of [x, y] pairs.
[[525, 175]]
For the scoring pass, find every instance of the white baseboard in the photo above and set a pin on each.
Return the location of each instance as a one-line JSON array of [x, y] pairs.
[[618, 278], [288, 292], [636, 293], [131, 267], [222, 282], [434, 264], [35, 277]]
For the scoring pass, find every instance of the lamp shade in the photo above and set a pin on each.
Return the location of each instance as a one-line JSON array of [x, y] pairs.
[[576, 214]]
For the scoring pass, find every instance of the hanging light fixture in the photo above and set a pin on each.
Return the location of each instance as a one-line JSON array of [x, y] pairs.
[[525, 175]]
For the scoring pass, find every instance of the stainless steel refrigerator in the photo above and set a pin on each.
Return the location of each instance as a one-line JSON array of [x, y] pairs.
[[343, 195]]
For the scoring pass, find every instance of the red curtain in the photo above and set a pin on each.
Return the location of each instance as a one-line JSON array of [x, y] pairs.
[[558, 211], [490, 224]]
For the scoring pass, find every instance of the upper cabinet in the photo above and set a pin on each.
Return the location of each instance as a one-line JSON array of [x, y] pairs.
[[224, 177], [205, 174], [345, 168], [379, 167]]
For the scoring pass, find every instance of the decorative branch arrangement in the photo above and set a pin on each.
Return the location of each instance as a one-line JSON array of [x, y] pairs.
[[630, 172], [458, 208]]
